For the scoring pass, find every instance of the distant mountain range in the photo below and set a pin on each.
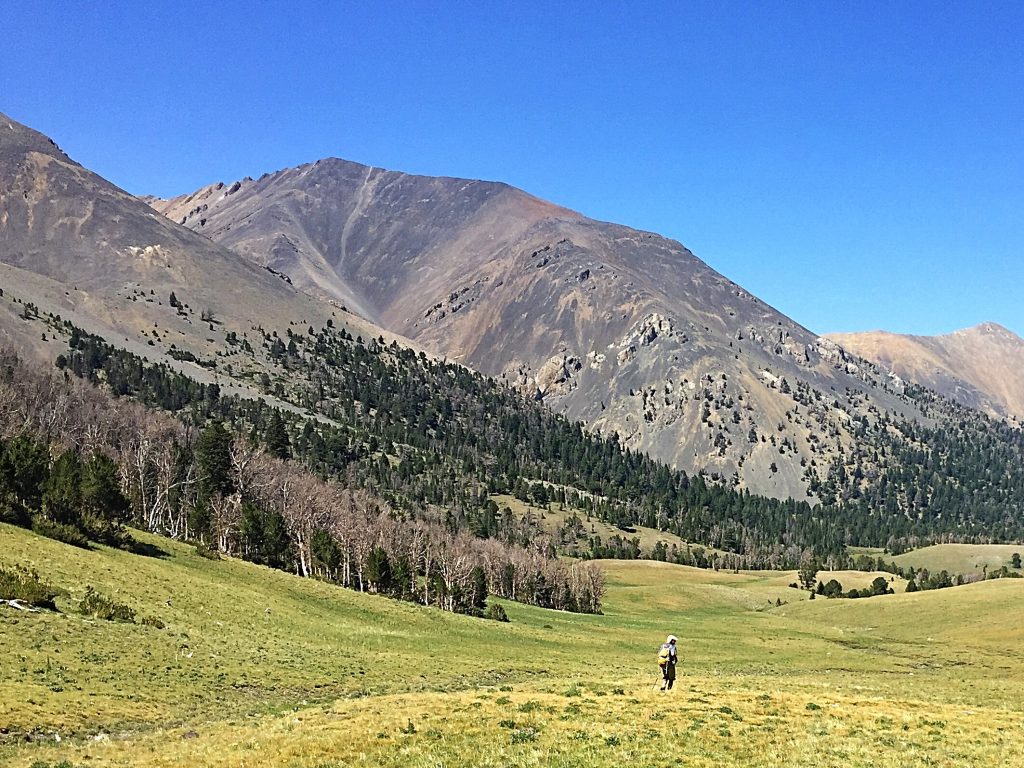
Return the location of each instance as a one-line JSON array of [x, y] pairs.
[[623, 330], [980, 367]]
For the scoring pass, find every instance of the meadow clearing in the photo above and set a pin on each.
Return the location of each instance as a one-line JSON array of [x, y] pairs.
[[259, 668]]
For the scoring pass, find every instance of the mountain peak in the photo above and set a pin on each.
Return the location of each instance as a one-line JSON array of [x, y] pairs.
[[989, 328], [976, 366], [15, 136]]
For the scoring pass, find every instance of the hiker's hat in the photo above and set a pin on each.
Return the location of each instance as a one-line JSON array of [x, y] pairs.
[[671, 639]]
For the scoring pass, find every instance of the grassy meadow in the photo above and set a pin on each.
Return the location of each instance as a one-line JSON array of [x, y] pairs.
[[553, 517], [965, 559], [258, 668]]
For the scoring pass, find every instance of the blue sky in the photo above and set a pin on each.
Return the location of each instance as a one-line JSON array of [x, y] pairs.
[[857, 165]]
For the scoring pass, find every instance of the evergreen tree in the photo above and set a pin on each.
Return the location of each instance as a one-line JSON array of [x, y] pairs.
[[478, 581], [278, 443], [879, 586], [25, 468], [832, 588], [325, 552], [807, 574], [62, 491], [378, 570], [213, 457], [101, 491]]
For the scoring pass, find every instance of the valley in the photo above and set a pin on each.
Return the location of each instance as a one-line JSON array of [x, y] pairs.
[[318, 433], [259, 667]]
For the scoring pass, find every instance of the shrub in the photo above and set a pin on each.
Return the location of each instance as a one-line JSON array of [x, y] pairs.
[[496, 612], [207, 552], [23, 584], [68, 534], [152, 621], [101, 607], [108, 532], [524, 735]]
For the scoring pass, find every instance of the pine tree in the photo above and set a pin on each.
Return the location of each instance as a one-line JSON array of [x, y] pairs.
[[478, 582], [101, 491], [378, 570], [62, 493], [213, 456], [278, 443], [25, 467]]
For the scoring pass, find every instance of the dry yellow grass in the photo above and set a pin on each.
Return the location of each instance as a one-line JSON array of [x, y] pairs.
[[333, 678]]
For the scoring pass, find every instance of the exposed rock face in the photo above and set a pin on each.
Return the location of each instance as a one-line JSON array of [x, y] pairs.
[[625, 330], [979, 367]]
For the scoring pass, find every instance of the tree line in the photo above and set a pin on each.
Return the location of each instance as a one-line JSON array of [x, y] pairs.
[[436, 441], [79, 464]]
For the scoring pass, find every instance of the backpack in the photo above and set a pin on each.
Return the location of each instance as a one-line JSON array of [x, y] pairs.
[[664, 654]]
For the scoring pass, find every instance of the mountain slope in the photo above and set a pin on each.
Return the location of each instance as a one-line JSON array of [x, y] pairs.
[[73, 244], [625, 330], [979, 367]]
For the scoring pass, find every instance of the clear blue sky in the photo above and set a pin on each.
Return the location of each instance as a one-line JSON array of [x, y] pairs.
[[857, 165]]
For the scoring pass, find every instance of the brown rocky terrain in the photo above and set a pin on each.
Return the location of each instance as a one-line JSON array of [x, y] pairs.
[[74, 245], [979, 367], [625, 330]]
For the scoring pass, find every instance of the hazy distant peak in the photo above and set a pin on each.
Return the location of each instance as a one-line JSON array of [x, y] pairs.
[[977, 366]]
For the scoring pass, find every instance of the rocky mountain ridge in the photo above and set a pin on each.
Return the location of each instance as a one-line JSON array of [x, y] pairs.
[[978, 367], [73, 244]]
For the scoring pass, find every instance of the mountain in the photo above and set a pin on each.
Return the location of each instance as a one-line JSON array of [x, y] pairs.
[[624, 330], [72, 244], [979, 367]]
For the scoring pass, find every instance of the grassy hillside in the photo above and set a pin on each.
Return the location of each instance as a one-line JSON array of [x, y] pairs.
[[550, 519], [257, 667], [955, 558]]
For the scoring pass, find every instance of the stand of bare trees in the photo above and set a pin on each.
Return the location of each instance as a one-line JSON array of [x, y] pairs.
[[276, 512]]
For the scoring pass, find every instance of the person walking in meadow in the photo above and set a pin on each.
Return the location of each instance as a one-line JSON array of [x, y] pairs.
[[667, 659]]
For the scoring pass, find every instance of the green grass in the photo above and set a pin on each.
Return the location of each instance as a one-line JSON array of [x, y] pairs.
[[960, 558], [268, 669], [551, 519], [965, 559]]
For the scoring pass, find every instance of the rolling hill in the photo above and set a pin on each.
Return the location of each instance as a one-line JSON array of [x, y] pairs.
[[259, 667]]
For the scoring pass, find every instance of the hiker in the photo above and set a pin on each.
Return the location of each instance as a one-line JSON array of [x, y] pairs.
[[667, 659]]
